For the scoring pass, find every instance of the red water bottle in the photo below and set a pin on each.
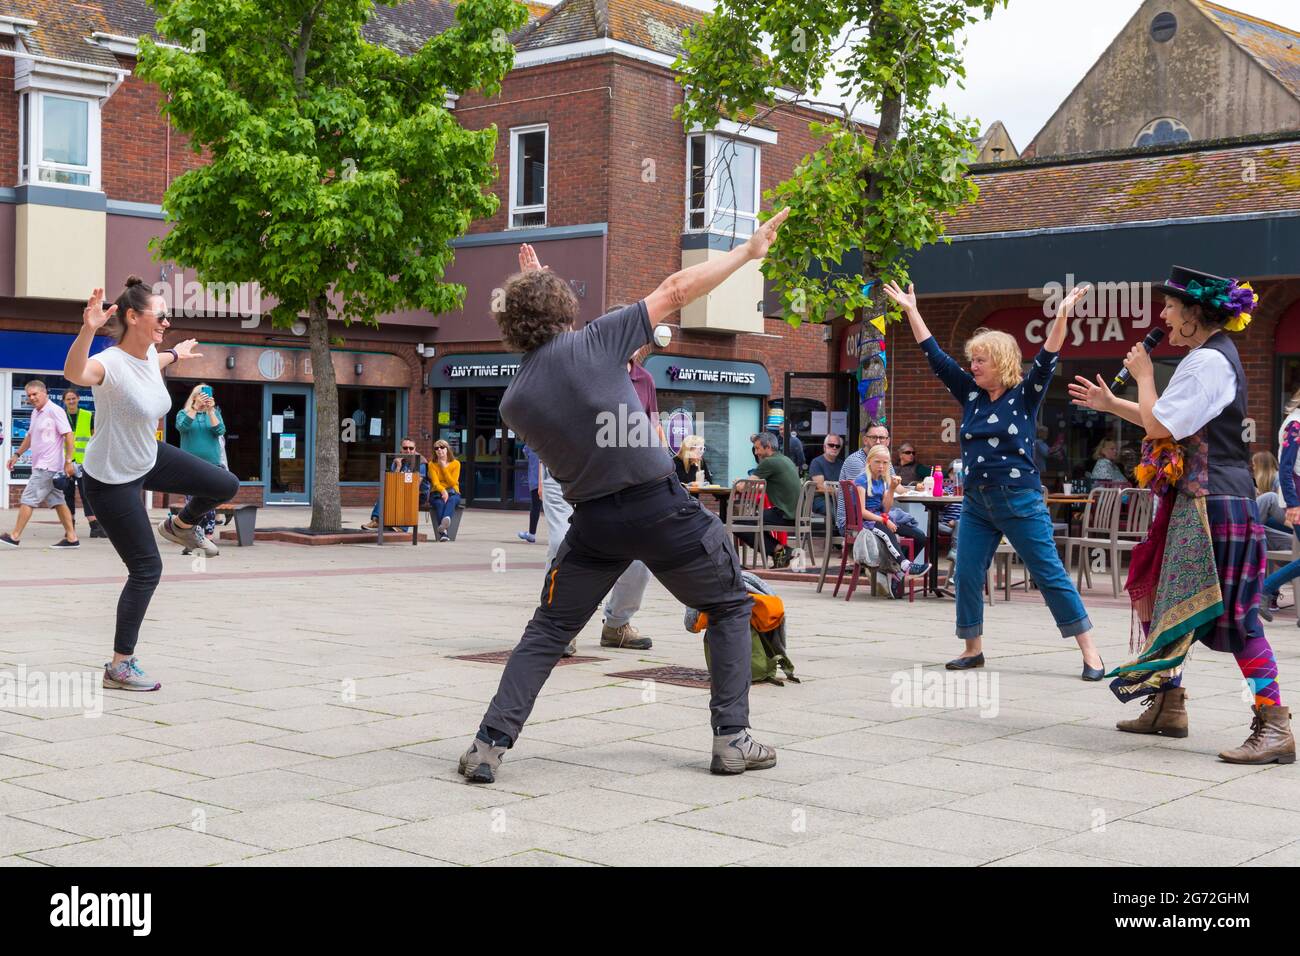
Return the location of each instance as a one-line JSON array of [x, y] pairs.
[[937, 479]]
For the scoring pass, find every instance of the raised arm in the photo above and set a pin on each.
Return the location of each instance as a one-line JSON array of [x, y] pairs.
[[79, 367], [684, 287], [958, 381], [907, 302]]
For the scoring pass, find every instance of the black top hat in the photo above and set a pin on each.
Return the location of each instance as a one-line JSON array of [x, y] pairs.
[[1181, 276], [1223, 300]]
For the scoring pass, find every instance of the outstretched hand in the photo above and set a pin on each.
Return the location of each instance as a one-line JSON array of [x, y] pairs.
[[765, 235], [1071, 300], [904, 300], [185, 350], [1086, 394], [528, 261], [94, 316]]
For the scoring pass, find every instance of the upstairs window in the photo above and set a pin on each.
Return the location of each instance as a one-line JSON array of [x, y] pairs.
[[60, 136], [722, 185], [528, 146]]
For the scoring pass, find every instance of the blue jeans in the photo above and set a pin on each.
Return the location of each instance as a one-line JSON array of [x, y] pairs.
[[1283, 575], [1019, 513], [444, 509]]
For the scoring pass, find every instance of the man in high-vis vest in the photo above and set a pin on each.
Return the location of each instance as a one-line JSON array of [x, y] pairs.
[[82, 422]]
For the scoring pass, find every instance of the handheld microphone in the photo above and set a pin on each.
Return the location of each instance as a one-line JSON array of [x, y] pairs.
[[1153, 339]]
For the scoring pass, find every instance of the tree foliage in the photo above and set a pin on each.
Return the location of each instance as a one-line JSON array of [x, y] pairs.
[[880, 193], [335, 176]]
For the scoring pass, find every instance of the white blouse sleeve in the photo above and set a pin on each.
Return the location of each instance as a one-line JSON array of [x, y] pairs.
[[1202, 386]]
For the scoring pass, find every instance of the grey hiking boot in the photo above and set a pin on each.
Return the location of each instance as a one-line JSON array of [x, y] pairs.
[[571, 648], [626, 636], [736, 753], [191, 538], [480, 763]]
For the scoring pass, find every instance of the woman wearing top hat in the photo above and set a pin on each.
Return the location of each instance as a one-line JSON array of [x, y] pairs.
[[1197, 576]]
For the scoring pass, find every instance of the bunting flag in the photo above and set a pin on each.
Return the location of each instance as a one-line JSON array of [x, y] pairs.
[[878, 323]]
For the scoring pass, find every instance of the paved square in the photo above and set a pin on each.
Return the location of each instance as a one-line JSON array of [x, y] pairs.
[[313, 707]]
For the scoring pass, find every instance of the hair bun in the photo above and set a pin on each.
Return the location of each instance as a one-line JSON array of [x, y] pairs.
[[132, 281]]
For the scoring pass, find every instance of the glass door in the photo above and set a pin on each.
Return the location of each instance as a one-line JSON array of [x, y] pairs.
[[289, 413], [487, 450]]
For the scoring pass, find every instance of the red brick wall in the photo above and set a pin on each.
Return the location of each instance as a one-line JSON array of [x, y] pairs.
[[142, 152], [8, 124]]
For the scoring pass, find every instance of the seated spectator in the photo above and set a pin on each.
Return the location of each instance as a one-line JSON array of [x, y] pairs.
[[908, 470], [404, 464], [690, 464], [1265, 468], [825, 468], [782, 491], [875, 497], [444, 473], [1106, 469]]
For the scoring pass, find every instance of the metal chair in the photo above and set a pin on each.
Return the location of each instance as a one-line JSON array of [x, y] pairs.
[[745, 516], [831, 493], [802, 526], [1100, 515]]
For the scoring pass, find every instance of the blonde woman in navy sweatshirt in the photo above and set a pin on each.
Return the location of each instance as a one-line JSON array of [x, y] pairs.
[[1003, 487]]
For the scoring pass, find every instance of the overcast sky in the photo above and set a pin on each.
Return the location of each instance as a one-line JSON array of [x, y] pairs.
[[1023, 62]]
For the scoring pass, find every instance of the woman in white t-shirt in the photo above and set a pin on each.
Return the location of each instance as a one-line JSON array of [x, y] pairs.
[[124, 458], [1197, 577]]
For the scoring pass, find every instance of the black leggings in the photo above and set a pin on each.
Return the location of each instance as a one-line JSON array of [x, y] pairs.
[[121, 512], [535, 511]]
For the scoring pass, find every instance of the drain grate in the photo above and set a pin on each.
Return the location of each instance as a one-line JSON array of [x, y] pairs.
[[681, 676], [500, 657]]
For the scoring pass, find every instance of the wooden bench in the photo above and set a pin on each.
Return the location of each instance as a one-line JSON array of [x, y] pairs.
[[244, 516]]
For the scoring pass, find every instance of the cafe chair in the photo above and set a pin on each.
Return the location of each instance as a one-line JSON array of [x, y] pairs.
[[832, 536], [1100, 532], [745, 516], [802, 528]]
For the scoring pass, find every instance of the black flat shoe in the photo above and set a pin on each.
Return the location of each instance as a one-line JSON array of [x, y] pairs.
[[1093, 673], [965, 663]]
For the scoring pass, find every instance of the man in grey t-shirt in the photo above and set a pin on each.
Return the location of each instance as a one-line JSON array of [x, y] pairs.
[[574, 404]]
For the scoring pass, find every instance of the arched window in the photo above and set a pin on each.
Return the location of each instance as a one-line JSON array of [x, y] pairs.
[[1160, 132]]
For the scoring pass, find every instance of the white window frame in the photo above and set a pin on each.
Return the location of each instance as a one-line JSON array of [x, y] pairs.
[[713, 214], [31, 141], [516, 155]]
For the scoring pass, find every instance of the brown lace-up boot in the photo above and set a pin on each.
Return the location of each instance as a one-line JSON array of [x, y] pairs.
[[1164, 714], [1270, 739]]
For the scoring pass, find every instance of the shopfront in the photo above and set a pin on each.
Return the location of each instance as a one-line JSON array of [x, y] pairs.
[[494, 469], [1096, 345], [268, 404], [1286, 352], [720, 400], [25, 356]]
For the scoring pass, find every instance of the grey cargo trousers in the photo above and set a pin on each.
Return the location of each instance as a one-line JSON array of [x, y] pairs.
[[684, 545]]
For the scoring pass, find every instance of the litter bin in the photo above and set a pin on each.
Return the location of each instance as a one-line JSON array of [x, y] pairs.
[[401, 499]]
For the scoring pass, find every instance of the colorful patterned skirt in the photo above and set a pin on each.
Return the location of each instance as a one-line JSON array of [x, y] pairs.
[[1196, 577]]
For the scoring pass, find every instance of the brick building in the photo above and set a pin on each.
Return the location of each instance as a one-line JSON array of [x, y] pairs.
[[1122, 219], [594, 172]]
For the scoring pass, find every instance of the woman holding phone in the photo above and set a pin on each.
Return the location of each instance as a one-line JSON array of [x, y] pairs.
[[201, 428], [124, 457]]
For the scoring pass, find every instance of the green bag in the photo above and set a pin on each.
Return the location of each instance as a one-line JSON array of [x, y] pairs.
[[768, 660]]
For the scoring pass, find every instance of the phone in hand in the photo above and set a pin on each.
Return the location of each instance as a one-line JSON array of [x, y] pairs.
[[207, 390]]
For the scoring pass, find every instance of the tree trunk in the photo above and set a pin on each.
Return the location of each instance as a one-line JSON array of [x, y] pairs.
[[326, 508]]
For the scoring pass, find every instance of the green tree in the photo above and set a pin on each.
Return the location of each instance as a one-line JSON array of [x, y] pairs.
[[882, 193], [336, 176]]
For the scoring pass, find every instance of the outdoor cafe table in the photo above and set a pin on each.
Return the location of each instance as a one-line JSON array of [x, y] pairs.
[[720, 492], [933, 507], [1073, 504]]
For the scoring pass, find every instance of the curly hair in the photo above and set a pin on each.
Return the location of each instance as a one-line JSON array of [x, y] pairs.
[[539, 305], [1002, 350]]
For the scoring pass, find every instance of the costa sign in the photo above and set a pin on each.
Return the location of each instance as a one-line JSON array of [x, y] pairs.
[[1096, 336]]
